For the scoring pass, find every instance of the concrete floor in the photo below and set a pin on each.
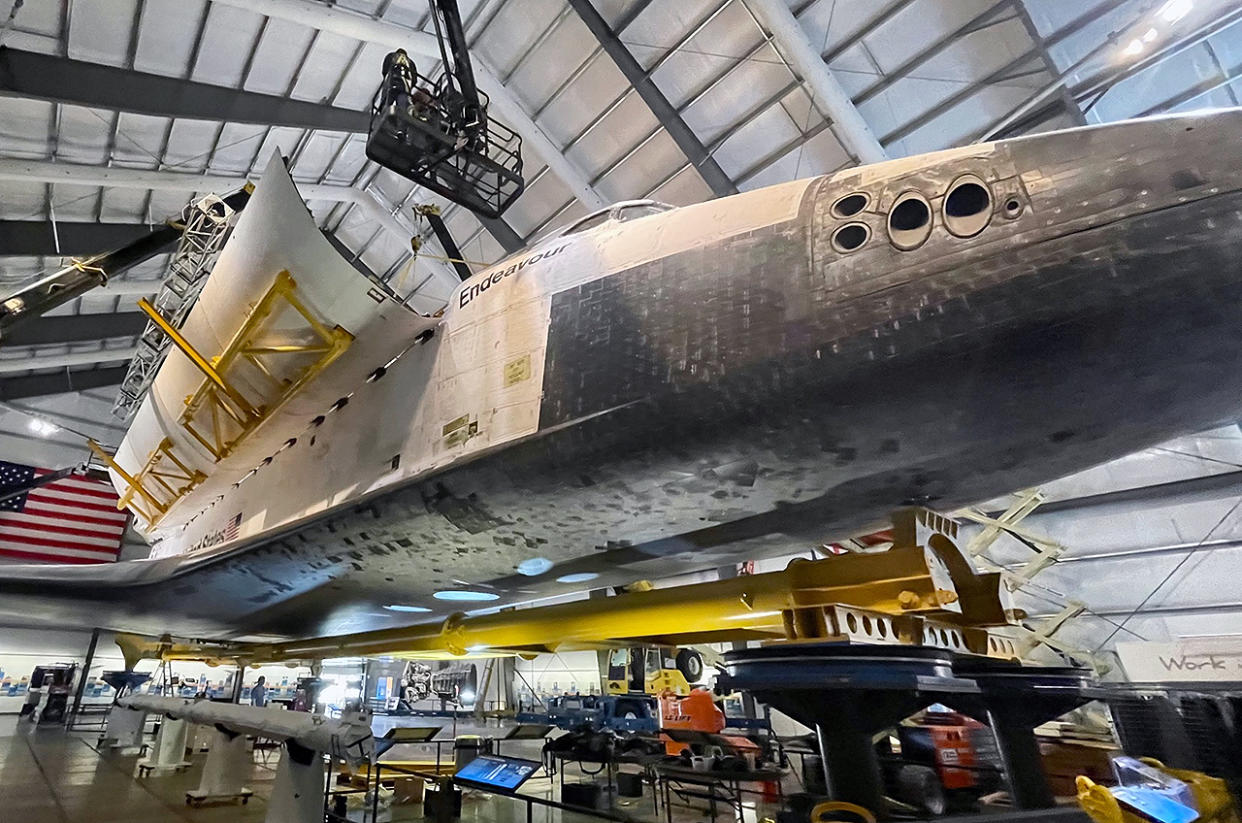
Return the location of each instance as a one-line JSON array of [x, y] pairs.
[[48, 775]]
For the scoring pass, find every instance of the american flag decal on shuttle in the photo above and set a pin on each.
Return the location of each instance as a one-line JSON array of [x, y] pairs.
[[231, 530], [71, 520]]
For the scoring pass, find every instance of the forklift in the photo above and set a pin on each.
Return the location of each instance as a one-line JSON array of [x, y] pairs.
[[653, 670]]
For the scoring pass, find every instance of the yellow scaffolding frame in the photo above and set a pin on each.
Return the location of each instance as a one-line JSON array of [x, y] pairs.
[[162, 481], [220, 397]]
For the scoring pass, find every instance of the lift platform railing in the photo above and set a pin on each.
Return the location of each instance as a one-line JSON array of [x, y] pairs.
[[419, 133]]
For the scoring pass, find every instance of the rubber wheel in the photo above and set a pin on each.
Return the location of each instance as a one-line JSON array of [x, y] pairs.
[[920, 786], [690, 664]]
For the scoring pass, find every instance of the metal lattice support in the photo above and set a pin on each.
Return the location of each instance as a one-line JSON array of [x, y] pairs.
[[1046, 552], [206, 231]]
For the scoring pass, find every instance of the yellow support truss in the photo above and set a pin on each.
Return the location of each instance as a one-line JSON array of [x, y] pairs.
[[221, 413], [162, 481]]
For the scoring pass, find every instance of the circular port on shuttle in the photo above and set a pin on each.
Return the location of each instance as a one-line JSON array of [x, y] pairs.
[[850, 205], [850, 237], [967, 207], [909, 221], [1013, 207]]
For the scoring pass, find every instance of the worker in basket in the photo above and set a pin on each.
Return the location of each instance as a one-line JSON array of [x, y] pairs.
[[407, 99]]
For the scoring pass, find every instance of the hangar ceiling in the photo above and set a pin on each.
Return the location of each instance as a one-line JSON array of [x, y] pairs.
[[111, 112]]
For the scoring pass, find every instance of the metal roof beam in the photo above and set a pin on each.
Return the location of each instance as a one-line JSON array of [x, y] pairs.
[[82, 175], [932, 50], [665, 112], [40, 238], [790, 39], [77, 328], [41, 385], [1031, 114], [869, 28], [391, 35], [62, 80], [58, 361], [1063, 93], [45, 171]]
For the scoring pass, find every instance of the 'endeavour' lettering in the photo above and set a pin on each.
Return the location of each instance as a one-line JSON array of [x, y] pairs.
[[495, 277]]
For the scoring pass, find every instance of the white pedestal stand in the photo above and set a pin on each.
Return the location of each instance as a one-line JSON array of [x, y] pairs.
[[168, 753], [226, 771], [297, 794], [124, 729]]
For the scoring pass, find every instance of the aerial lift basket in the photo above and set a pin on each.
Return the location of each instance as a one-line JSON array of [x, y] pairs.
[[427, 133]]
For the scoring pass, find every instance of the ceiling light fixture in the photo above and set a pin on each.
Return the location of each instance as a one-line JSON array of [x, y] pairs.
[[42, 427], [465, 595], [534, 566], [579, 577], [1135, 48], [1175, 10], [401, 607]]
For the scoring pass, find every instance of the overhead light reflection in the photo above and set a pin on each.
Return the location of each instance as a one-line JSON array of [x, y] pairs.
[[1175, 10], [42, 427]]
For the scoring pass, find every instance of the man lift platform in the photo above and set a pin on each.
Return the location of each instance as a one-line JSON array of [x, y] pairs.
[[438, 133]]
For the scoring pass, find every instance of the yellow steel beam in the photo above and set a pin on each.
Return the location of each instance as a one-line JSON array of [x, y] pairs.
[[134, 484], [201, 363], [898, 596]]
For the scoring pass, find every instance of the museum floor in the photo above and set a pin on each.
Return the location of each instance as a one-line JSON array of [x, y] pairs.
[[48, 775]]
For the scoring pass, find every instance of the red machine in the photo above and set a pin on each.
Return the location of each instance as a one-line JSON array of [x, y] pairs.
[[945, 758]]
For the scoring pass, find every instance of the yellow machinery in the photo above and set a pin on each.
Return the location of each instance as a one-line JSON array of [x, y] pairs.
[[1212, 798], [268, 360], [652, 670], [922, 591]]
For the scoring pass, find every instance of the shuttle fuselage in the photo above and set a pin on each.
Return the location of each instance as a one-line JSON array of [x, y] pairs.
[[667, 390]]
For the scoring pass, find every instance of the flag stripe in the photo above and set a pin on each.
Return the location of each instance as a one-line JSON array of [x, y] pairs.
[[76, 488], [10, 536], [10, 531], [77, 551], [57, 557], [58, 525], [117, 519], [72, 519], [80, 500], [83, 484]]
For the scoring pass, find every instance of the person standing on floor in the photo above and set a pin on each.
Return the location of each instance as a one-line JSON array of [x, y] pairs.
[[258, 692]]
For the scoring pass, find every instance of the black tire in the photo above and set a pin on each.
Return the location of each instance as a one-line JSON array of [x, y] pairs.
[[920, 786], [690, 664]]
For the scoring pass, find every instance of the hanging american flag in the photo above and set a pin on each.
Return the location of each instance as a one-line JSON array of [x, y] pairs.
[[71, 520]]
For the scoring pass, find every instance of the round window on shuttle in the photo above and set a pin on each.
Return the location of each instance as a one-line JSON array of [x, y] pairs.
[[850, 204], [967, 206], [849, 237], [909, 221]]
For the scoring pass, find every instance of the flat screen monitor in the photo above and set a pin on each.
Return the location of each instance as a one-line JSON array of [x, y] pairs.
[[501, 774], [411, 734], [529, 731]]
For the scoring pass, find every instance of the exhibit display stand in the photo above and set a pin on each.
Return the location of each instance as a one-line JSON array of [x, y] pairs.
[[124, 729], [297, 794], [226, 771], [168, 754]]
